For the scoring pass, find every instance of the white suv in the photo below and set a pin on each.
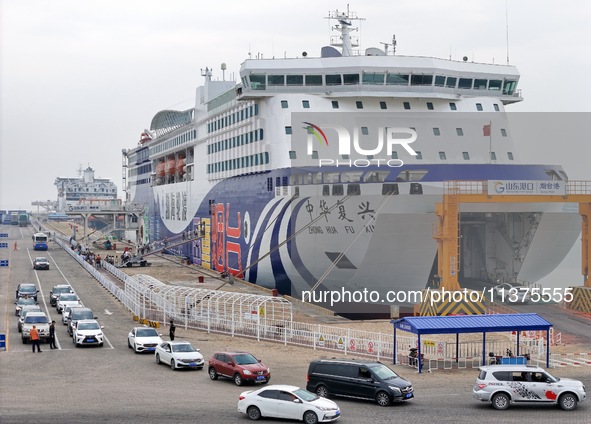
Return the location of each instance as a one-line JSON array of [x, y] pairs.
[[87, 332], [506, 384], [38, 319], [67, 299]]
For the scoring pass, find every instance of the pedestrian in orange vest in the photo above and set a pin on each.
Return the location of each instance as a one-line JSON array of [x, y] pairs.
[[34, 334]]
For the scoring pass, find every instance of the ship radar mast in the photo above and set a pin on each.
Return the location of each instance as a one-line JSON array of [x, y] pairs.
[[344, 27]]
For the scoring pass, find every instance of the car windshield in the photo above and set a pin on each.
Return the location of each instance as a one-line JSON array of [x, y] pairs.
[[245, 359], [26, 301], [41, 259], [89, 326], [185, 347], [36, 319], [305, 395], [29, 308], [67, 297], [383, 372], [146, 332], [60, 290], [78, 315], [27, 289]]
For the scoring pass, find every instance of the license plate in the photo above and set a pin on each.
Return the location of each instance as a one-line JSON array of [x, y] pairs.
[[408, 395], [336, 414], [90, 340], [260, 377], [150, 349], [193, 364]]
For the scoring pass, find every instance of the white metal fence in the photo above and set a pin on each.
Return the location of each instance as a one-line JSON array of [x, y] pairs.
[[155, 303]]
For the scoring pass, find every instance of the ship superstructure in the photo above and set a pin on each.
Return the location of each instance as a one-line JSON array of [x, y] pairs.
[[324, 172]]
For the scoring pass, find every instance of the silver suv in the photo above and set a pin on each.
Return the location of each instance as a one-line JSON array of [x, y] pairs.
[[506, 384]]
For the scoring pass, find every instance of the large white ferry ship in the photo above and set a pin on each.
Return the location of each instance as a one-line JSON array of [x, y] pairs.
[[302, 174]]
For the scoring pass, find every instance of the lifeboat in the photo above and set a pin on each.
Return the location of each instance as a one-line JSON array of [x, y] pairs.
[[180, 165], [169, 167], [160, 169]]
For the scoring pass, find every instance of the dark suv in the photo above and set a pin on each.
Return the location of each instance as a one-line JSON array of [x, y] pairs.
[[77, 314], [57, 290], [240, 366], [357, 379], [27, 290]]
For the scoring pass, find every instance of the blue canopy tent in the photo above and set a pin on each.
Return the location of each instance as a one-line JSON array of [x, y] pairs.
[[472, 324]]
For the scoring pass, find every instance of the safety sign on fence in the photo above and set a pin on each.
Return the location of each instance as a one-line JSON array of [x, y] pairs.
[[4, 262], [3, 245], [321, 341], [5, 235]]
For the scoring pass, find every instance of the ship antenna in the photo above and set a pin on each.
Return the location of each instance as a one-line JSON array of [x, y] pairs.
[[507, 28], [344, 27]]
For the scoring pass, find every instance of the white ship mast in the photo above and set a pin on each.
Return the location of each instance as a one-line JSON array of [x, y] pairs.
[[344, 27]]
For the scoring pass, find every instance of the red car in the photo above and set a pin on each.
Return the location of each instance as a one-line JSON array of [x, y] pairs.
[[242, 367]]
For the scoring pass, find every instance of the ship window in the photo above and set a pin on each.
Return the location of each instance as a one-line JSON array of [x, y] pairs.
[[330, 177], [439, 81], [269, 184], [295, 80], [453, 106], [552, 174], [509, 87], [421, 80], [394, 155], [450, 82], [436, 131], [260, 133], [496, 106], [337, 190], [465, 83], [364, 131], [353, 190], [442, 156], [373, 78], [375, 176], [396, 79], [510, 155], [292, 154], [390, 189], [350, 79], [359, 104], [459, 132], [419, 155], [266, 155], [414, 175], [326, 190], [479, 107], [345, 156], [406, 105], [430, 106], [305, 104], [335, 104], [315, 154], [257, 81], [493, 156], [495, 85], [313, 79], [284, 104], [351, 177], [288, 130], [479, 84], [503, 132], [383, 105], [333, 80], [466, 155], [317, 178]]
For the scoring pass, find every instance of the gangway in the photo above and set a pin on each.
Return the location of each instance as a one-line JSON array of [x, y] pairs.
[[447, 228]]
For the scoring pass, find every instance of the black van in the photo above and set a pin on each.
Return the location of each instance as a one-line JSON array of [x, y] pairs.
[[357, 379]]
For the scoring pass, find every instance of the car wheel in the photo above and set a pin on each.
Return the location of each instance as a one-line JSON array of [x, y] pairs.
[[322, 391], [158, 358], [24, 341], [212, 374], [383, 399], [135, 348], [310, 417], [172, 365], [238, 379], [567, 401], [253, 413], [128, 344], [500, 401]]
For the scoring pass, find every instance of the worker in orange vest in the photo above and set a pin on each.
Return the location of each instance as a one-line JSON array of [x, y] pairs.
[[34, 334]]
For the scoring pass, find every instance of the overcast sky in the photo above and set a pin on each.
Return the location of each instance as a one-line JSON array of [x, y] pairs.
[[80, 80]]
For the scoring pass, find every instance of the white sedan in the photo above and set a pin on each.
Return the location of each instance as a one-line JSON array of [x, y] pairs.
[[143, 339], [179, 355], [283, 401]]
